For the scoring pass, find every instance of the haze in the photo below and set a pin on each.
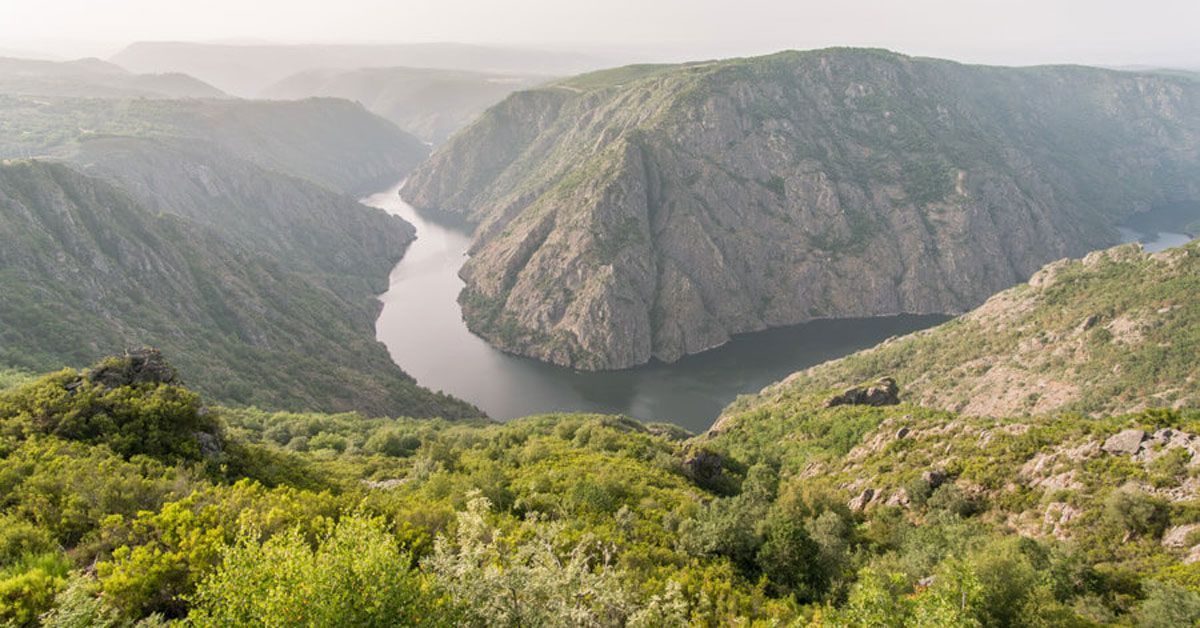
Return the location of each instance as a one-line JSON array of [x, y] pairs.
[[1113, 32]]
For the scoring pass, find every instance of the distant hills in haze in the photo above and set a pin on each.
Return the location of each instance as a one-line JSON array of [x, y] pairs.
[[245, 70], [429, 103], [94, 78]]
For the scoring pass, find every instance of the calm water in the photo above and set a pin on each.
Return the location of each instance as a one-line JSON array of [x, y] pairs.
[[422, 326], [1162, 227]]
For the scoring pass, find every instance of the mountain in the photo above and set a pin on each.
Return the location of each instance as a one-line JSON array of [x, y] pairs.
[[650, 212], [93, 78], [86, 270], [245, 70], [1113, 333], [431, 104], [335, 143]]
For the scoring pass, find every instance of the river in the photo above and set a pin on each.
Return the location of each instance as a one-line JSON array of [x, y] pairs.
[[421, 325]]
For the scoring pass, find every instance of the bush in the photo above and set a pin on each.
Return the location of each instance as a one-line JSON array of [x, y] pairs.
[[355, 576]]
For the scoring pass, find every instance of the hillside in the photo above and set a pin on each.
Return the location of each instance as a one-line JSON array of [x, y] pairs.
[[431, 104], [87, 270], [93, 78], [335, 143], [651, 212], [1114, 332], [300, 225], [846, 516], [245, 70]]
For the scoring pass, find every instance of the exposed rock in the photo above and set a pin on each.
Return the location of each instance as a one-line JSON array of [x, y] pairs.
[[1124, 442], [210, 445], [884, 392], [1178, 536], [935, 478], [864, 499], [383, 485], [1058, 516], [138, 366], [704, 467], [899, 497]]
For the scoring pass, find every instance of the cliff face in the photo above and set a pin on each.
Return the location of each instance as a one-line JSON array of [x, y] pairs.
[[654, 211], [1112, 333]]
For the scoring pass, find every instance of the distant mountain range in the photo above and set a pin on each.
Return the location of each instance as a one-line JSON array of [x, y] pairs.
[[245, 70], [431, 104], [93, 78]]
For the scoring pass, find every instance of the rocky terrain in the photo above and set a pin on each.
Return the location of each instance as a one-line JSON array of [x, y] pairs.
[[1113, 332], [650, 212]]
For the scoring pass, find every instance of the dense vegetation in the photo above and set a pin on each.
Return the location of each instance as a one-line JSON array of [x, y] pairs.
[[87, 271], [1113, 332], [285, 519]]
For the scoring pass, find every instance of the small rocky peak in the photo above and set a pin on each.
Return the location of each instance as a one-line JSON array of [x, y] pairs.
[[883, 392], [145, 365]]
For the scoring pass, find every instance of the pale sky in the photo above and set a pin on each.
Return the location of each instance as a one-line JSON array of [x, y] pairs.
[[1112, 32]]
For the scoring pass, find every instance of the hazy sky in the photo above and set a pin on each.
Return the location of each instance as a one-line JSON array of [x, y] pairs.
[[1001, 31]]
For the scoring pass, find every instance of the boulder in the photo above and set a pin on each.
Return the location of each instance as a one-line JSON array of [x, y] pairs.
[[883, 392], [864, 499], [1124, 442]]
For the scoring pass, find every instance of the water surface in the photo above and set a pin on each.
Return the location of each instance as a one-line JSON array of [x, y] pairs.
[[422, 326]]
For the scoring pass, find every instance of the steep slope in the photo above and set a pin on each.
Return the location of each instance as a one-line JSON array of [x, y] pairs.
[[245, 70], [93, 78], [332, 142], [295, 222], [431, 104], [1117, 331], [653, 211], [86, 270]]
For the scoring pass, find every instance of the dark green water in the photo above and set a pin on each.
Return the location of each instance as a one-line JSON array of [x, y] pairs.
[[422, 326]]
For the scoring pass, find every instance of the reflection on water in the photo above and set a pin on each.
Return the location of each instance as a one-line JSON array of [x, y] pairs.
[[422, 326], [1162, 227]]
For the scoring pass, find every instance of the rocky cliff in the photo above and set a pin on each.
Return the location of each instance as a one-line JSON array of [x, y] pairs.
[[653, 211]]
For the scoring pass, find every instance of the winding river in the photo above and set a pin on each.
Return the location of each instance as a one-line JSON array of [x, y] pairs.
[[422, 326]]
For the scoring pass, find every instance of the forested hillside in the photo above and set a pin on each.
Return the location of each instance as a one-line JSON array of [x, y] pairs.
[[125, 497], [87, 270]]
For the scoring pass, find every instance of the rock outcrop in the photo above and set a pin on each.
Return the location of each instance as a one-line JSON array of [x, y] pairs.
[[652, 212], [884, 392]]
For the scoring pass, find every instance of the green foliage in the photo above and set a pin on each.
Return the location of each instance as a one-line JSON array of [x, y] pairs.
[[153, 419], [355, 575]]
